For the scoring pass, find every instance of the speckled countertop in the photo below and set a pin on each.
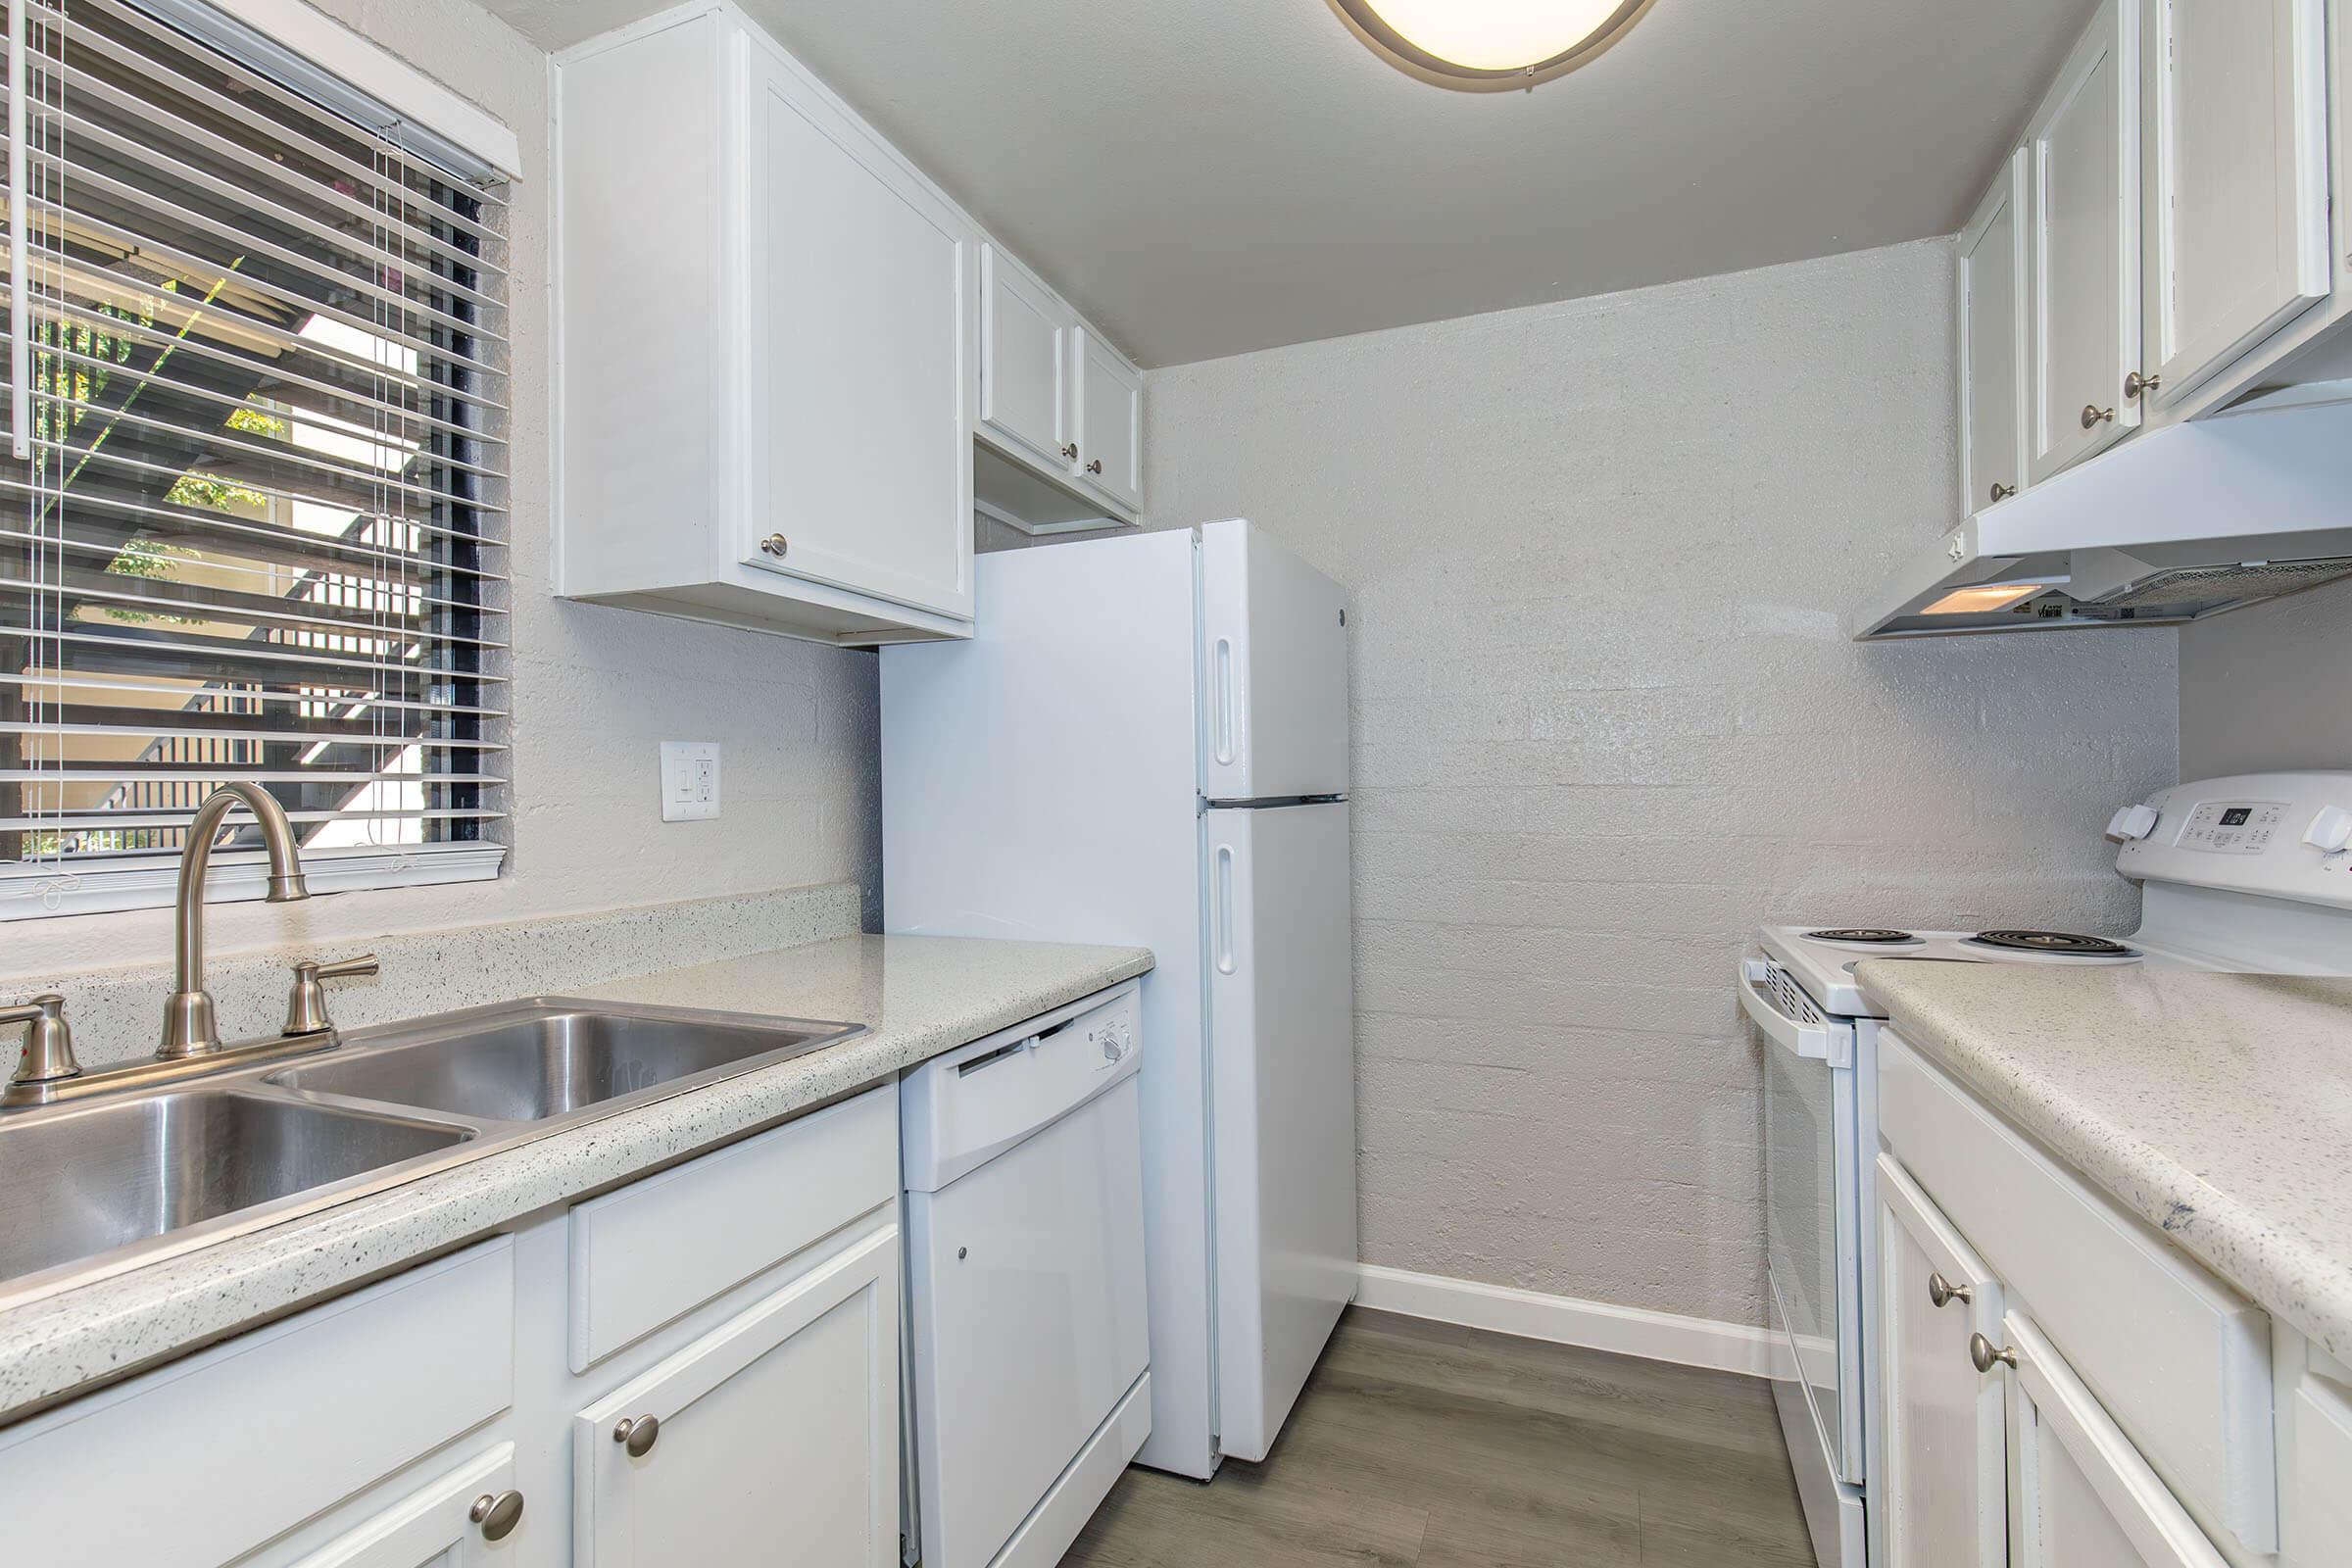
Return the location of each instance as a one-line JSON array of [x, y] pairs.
[[916, 996], [2217, 1106]]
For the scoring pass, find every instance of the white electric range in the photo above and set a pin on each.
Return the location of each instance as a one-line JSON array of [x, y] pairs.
[[2244, 875]]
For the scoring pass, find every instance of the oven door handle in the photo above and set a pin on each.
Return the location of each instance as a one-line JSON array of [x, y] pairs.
[[1830, 1043]]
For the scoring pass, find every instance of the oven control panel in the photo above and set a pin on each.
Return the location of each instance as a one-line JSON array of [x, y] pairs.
[[2232, 827], [2276, 835]]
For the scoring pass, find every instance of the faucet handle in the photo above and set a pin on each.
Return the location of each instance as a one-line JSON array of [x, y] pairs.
[[306, 1004], [48, 1040]]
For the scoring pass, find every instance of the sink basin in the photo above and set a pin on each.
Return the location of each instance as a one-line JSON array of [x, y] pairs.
[[84, 1182], [542, 1060]]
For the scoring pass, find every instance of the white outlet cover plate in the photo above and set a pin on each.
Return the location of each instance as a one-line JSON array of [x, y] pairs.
[[689, 781]]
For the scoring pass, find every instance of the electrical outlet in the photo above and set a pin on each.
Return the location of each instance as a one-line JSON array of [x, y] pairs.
[[689, 781]]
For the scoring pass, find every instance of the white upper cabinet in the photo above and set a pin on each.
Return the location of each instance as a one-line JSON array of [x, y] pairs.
[[2235, 179], [1992, 274], [2084, 247], [1061, 403], [762, 356], [1026, 334], [852, 302], [1110, 422]]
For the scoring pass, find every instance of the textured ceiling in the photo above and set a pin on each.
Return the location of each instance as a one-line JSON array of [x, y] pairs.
[[1204, 178]]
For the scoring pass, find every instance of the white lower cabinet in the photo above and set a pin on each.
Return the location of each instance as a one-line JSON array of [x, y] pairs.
[[773, 1438], [2060, 1386], [470, 1517], [1943, 1491], [2081, 1496], [439, 1418]]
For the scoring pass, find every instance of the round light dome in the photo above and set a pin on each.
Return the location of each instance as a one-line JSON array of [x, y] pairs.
[[1489, 45]]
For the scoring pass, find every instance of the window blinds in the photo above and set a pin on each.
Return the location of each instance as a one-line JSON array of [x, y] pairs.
[[253, 525]]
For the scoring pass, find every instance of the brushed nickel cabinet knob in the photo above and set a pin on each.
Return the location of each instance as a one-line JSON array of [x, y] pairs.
[[497, 1512], [1070, 452], [638, 1435], [1095, 466], [1985, 1355], [2003, 492], [1943, 1293], [773, 545], [2135, 383], [2093, 414]]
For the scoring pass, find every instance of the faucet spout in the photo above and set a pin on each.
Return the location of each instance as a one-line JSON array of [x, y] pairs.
[[190, 1028]]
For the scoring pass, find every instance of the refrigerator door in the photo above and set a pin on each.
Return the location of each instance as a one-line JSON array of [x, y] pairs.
[[1282, 1074], [1274, 667]]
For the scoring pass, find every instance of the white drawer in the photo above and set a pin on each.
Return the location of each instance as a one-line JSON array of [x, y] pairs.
[[2180, 1360], [657, 1249], [220, 1454]]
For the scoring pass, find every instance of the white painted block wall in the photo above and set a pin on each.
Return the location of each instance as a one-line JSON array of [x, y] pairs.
[[1606, 725]]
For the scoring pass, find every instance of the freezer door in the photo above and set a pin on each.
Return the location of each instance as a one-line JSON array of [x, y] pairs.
[[1283, 1088], [1274, 656]]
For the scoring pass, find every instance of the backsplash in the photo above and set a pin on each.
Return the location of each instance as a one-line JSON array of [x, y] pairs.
[[115, 1012]]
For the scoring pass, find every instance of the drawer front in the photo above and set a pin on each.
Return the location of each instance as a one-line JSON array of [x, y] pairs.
[[230, 1448], [653, 1251], [2180, 1360]]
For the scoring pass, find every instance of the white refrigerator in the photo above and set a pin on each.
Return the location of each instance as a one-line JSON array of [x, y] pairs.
[[1147, 743]]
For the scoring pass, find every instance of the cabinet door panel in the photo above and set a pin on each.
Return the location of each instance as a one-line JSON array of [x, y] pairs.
[[434, 1527], [778, 1437], [2085, 156], [1110, 422], [1942, 1486], [858, 452], [1993, 343], [2237, 179], [1024, 360], [2080, 1494]]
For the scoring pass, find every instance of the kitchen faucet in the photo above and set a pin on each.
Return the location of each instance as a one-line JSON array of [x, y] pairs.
[[190, 1028], [191, 1044]]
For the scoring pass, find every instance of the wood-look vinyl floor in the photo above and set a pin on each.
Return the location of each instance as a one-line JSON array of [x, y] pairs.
[[1423, 1446]]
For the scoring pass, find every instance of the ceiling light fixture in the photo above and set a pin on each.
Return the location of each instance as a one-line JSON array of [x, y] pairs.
[[1489, 46]]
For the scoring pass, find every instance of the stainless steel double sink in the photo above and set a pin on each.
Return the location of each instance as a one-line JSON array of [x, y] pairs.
[[92, 1188]]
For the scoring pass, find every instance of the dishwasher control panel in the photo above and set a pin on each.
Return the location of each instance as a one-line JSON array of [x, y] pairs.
[[966, 1106]]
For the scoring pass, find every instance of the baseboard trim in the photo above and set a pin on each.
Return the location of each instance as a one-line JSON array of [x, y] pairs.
[[1566, 1320]]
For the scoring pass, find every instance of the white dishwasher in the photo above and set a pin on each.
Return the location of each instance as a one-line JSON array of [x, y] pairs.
[[1029, 1347]]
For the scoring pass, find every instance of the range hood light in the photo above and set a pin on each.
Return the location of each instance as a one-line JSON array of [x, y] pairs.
[[1489, 45], [1984, 601]]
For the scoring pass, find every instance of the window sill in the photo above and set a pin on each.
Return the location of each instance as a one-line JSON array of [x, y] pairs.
[[149, 882]]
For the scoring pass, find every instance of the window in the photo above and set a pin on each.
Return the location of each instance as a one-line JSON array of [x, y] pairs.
[[253, 527]]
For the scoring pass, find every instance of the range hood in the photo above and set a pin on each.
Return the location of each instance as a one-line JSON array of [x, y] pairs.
[[2170, 526]]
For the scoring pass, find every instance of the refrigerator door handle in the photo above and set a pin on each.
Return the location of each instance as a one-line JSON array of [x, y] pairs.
[[1220, 941], [1222, 740]]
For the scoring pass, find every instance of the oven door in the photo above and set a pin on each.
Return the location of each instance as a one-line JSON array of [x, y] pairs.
[[1812, 1222]]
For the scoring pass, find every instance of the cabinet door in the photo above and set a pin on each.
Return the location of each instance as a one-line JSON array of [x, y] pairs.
[[2080, 1494], [1941, 1485], [1110, 422], [2083, 292], [435, 1528], [2235, 103], [1025, 360], [776, 1436], [1993, 343], [856, 441]]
